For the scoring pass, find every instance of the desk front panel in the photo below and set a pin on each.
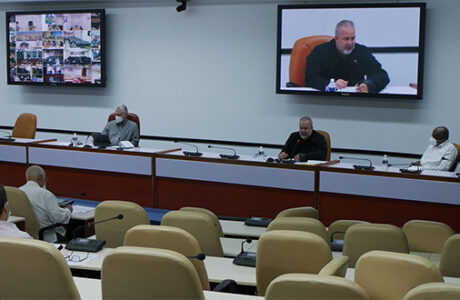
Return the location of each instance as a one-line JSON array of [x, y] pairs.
[[232, 189], [13, 161]]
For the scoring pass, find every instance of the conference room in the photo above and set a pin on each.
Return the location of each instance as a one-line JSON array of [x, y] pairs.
[[178, 96]]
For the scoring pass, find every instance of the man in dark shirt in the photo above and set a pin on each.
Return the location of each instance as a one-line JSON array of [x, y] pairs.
[[347, 62], [305, 144]]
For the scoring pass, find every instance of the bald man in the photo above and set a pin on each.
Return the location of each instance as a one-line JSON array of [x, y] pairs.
[[45, 204], [440, 155]]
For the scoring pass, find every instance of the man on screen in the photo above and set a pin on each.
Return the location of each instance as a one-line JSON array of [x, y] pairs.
[[345, 61], [305, 144]]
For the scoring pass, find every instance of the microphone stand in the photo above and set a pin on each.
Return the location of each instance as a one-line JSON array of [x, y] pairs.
[[189, 153], [359, 167], [229, 156]]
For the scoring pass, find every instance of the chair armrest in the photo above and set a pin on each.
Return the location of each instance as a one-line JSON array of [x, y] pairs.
[[42, 230], [336, 267], [227, 286]]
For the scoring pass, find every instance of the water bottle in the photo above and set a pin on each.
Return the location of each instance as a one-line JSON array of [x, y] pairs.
[[331, 86], [74, 140], [261, 151], [385, 162]]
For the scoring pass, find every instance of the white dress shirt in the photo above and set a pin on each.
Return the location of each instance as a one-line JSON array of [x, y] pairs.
[[440, 157], [46, 208], [8, 229]]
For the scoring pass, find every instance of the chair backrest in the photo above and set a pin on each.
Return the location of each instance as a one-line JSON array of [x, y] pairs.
[[457, 159], [336, 228], [336, 267], [327, 137], [434, 291], [288, 251], [390, 275], [426, 236], [34, 269], [172, 238], [300, 223], [149, 273], [313, 287], [25, 126], [131, 116], [201, 226], [20, 206], [209, 213], [113, 231], [303, 211], [450, 257], [361, 238], [298, 61]]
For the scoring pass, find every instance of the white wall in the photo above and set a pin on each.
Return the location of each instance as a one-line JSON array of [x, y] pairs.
[[209, 73]]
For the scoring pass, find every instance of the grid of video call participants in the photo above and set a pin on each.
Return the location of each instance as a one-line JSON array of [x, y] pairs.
[[55, 48]]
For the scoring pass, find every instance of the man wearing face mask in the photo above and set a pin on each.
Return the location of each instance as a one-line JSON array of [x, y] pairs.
[[8, 229], [305, 144], [345, 61], [122, 129], [45, 204], [440, 153]]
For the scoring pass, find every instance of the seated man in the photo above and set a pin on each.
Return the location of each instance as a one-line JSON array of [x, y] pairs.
[[8, 229], [305, 144], [45, 204], [440, 154], [346, 62], [122, 129]]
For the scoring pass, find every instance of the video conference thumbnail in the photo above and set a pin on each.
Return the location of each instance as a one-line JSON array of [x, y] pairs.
[[55, 48]]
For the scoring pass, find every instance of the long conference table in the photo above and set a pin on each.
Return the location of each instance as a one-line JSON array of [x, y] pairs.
[[249, 186]]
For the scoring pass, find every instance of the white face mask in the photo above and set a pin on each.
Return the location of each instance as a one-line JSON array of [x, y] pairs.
[[118, 119], [9, 213], [432, 141]]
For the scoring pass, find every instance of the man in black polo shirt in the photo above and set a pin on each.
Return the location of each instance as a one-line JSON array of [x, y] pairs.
[[305, 144]]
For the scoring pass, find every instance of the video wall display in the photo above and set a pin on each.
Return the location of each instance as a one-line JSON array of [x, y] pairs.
[[56, 48]]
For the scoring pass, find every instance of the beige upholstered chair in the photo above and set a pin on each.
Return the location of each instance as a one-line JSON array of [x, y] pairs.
[[34, 269], [20, 206], [209, 213], [201, 226], [300, 223], [338, 228], [336, 267], [390, 275], [25, 126], [426, 236], [313, 287], [113, 231], [288, 251], [457, 159], [304, 211], [434, 291], [450, 257], [172, 238], [149, 273], [361, 238]]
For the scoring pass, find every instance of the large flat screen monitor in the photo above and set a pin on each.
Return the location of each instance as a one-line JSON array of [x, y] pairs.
[[359, 50], [56, 47]]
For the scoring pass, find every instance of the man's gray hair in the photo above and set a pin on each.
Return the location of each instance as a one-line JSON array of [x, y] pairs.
[[33, 172], [305, 118], [123, 108], [341, 24]]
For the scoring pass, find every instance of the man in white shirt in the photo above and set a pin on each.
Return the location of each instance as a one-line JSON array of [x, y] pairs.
[[45, 204], [440, 154], [8, 229]]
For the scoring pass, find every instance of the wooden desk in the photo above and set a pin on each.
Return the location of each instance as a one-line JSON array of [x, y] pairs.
[[243, 187]]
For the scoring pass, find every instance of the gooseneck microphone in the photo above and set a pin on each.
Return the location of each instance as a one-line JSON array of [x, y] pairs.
[[199, 256], [248, 240], [91, 224], [229, 156], [8, 137], [359, 167], [189, 153]]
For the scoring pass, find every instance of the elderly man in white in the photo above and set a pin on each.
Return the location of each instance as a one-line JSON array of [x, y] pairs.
[[440, 155]]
